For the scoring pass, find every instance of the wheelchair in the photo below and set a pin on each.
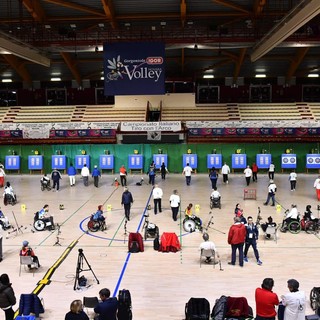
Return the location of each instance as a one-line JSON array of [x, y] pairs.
[[9, 199], [315, 298], [293, 227], [45, 185], [215, 203], [96, 225], [43, 224], [190, 224], [150, 229], [4, 221]]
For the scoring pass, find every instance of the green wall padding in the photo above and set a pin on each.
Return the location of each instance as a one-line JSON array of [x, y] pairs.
[[174, 151]]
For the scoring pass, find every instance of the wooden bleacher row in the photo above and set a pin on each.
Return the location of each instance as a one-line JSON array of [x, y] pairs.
[[101, 113]]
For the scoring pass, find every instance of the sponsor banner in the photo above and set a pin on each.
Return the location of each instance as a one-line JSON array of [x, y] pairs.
[[134, 68], [288, 161], [151, 126], [36, 130], [82, 133], [313, 161], [83, 125]]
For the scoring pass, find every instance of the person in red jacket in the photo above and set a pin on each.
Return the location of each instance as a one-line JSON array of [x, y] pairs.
[[236, 237], [266, 300]]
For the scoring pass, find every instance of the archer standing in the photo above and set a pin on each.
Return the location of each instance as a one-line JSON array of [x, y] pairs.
[[127, 201], [187, 170]]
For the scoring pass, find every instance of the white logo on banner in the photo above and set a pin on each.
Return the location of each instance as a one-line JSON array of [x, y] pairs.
[[154, 135]]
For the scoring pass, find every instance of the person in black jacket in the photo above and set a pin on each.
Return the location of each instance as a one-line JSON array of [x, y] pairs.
[[252, 236], [126, 201], [7, 296]]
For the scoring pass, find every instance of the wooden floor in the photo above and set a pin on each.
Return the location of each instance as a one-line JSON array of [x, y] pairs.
[[160, 283]]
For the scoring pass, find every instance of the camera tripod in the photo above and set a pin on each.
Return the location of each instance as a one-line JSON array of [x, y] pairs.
[[57, 243], [80, 262]]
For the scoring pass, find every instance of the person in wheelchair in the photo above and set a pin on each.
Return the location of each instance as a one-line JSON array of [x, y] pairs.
[[4, 221], [27, 251], [193, 217], [9, 196], [292, 215], [308, 216], [98, 216], [269, 223], [45, 181], [215, 198], [44, 215]]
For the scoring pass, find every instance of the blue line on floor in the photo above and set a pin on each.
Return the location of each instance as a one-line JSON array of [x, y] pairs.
[[115, 292]]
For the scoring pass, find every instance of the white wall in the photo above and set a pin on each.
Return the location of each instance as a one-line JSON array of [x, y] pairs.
[[183, 100]]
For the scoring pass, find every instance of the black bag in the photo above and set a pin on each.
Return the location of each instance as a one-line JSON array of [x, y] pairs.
[[220, 308], [124, 305], [134, 247], [82, 281], [197, 308], [156, 244]]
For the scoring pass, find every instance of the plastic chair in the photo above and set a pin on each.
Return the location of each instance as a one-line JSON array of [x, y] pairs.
[[27, 261], [90, 302], [208, 253]]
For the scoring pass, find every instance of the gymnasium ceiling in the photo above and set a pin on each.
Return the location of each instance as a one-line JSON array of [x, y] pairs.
[[217, 37]]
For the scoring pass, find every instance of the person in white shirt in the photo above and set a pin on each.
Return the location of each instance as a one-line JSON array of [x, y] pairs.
[[247, 173], [271, 171], [293, 180], [157, 194], [317, 186], [208, 245], [294, 302], [175, 204], [292, 215], [8, 194], [215, 194], [272, 189], [85, 173], [225, 170], [187, 170]]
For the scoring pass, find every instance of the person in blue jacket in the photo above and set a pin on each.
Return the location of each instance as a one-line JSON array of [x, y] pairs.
[[107, 308], [95, 175], [251, 240], [72, 174]]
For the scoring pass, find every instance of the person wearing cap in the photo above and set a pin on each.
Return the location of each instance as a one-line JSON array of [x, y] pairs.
[[95, 175], [294, 302], [272, 189], [56, 176], [208, 245], [126, 201], [266, 300], [123, 175], [27, 251], [236, 238]]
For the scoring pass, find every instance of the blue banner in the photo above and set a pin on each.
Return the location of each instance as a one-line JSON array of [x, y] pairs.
[[134, 68]]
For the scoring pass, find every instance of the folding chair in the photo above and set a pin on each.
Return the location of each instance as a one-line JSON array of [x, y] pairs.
[[206, 253], [27, 261], [272, 231], [90, 302]]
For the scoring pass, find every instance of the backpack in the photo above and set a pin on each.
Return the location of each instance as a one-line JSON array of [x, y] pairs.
[[124, 305], [197, 308], [220, 308], [134, 247]]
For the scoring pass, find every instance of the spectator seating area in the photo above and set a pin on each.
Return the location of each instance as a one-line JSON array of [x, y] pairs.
[[217, 112]]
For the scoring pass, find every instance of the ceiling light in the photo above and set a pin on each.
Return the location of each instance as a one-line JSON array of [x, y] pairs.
[[47, 26], [163, 23], [101, 25], [127, 24], [101, 78], [55, 79], [153, 28], [313, 75], [6, 80], [261, 75], [73, 26], [208, 76]]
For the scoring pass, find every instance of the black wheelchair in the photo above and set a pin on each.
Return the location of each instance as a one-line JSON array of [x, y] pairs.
[[9, 199], [215, 203], [45, 185], [150, 229], [43, 224], [96, 225], [190, 224]]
